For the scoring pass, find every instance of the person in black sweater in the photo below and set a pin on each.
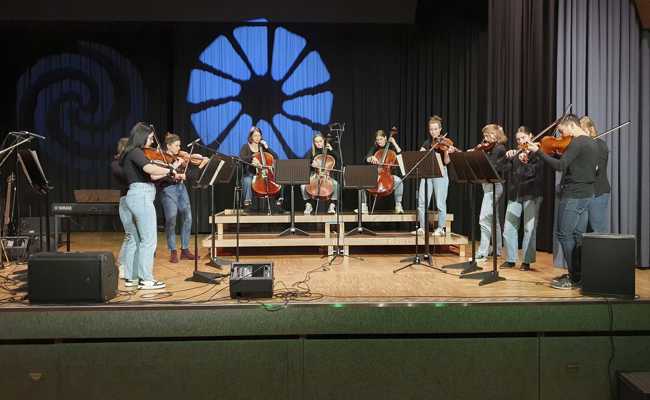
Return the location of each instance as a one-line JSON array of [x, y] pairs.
[[318, 148], [493, 138], [247, 152], [525, 174], [120, 182], [382, 142], [598, 215], [140, 210], [578, 164]]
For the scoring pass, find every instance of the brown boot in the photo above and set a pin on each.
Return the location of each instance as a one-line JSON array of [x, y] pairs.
[[186, 255], [173, 257]]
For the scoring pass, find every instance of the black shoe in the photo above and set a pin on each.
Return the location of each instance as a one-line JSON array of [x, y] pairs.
[[560, 277], [507, 265], [524, 267]]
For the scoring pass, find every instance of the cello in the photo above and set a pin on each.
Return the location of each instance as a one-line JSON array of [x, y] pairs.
[[387, 159], [320, 184], [264, 184]]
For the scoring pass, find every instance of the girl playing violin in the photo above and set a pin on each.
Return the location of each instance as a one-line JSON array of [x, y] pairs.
[[439, 186], [578, 164], [175, 199], [493, 139], [247, 153], [318, 148], [381, 141], [600, 203], [525, 188], [139, 208]]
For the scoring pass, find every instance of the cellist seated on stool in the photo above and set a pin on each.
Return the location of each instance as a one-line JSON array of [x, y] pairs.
[[321, 185], [251, 153], [381, 155]]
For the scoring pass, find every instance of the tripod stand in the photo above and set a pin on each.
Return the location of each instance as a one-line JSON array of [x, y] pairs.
[[421, 166]]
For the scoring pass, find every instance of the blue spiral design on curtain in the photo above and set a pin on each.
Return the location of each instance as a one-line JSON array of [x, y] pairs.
[[82, 102], [238, 84]]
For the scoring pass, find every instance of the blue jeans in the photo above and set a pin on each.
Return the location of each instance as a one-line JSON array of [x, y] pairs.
[[335, 190], [598, 213], [485, 220], [440, 188], [571, 225], [247, 187], [141, 247], [530, 209], [175, 200], [129, 242]]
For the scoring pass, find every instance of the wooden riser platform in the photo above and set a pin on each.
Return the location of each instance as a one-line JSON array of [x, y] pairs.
[[457, 243]]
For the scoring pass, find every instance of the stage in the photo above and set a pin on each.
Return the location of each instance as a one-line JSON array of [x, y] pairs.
[[351, 330]]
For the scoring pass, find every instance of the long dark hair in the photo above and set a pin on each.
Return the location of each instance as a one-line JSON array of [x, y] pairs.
[[138, 138]]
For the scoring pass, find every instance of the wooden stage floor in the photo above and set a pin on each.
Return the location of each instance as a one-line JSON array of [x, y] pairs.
[[302, 278]]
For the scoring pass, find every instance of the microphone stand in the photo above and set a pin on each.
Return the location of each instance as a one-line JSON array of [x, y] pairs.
[[338, 129]]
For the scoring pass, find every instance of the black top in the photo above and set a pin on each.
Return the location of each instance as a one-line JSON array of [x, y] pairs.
[[247, 155], [579, 166], [525, 181], [497, 157], [601, 185], [119, 178], [132, 165], [374, 148]]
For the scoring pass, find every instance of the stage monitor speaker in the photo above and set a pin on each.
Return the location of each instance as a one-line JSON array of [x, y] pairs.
[[251, 280], [634, 385], [607, 264], [71, 277]]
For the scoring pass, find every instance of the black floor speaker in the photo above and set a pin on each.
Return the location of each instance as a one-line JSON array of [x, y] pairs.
[[634, 385], [71, 277], [608, 264], [251, 280]]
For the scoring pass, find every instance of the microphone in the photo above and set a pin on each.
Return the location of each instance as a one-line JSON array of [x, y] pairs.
[[193, 142]]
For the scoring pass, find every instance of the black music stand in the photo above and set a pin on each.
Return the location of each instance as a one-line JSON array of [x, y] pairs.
[[292, 172], [485, 172], [218, 170], [460, 172], [360, 177], [31, 166], [420, 165]]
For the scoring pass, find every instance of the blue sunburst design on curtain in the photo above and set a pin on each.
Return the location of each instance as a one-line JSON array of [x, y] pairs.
[[236, 71]]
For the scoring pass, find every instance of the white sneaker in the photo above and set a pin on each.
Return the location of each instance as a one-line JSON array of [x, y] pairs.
[[331, 209], [398, 208], [120, 270], [151, 285], [308, 208], [440, 231], [364, 209], [420, 232], [480, 259], [131, 282]]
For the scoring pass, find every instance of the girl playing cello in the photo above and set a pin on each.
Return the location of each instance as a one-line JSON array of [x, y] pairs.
[[318, 148]]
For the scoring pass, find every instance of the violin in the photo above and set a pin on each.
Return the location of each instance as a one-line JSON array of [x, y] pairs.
[[485, 146], [555, 146], [158, 157], [443, 143], [387, 159], [320, 184], [264, 184]]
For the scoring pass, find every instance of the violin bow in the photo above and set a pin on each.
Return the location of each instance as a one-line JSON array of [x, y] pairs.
[[613, 129], [557, 121]]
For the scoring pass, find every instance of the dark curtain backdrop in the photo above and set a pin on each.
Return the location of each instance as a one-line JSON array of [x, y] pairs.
[[521, 80], [602, 65], [83, 86]]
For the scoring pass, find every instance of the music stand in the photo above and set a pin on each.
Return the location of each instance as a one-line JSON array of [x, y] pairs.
[[421, 165], [292, 172], [484, 171], [360, 177], [460, 172], [31, 166], [218, 170]]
